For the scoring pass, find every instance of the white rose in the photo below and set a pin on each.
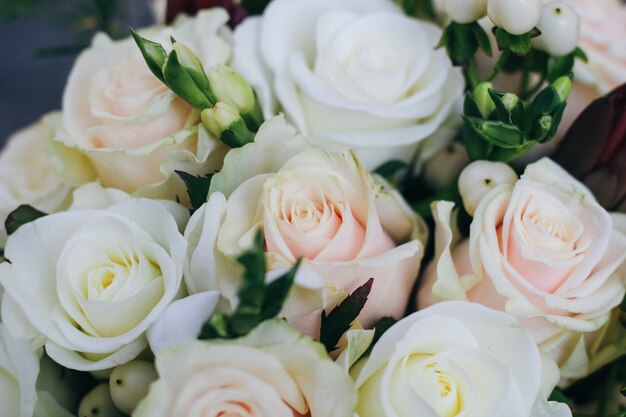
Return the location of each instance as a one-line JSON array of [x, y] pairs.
[[321, 206], [457, 359], [87, 283], [541, 249], [19, 370], [350, 74], [27, 174], [272, 372], [134, 129]]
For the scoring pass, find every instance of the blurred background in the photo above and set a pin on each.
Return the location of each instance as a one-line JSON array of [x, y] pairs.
[[40, 40]]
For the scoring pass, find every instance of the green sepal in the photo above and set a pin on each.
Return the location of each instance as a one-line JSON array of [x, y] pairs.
[[580, 54], [153, 53], [197, 187], [179, 80], [518, 44], [20, 216], [237, 135], [339, 320], [194, 68], [460, 42], [503, 135]]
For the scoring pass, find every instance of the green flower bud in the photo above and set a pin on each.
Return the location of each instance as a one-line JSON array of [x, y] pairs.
[[563, 85], [224, 121], [229, 86], [220, 117], [510, 101], [483, 99]]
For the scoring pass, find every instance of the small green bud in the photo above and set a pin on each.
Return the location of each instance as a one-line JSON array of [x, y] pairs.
[[187, 58], [563, 85], [483, 99], [510, 101], [220, 117], [542, 128], [224, 121], [229, 86]]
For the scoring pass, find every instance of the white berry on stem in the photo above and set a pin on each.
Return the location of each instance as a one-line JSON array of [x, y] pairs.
[[480, 177], [465, 11], [515, 16], [98, 403], [559, 25], [129, 384]]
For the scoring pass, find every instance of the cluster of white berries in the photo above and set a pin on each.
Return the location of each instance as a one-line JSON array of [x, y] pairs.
[[556, 20], [127, 385]]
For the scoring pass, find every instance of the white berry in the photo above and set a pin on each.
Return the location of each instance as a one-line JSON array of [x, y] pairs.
[[515, 16], [480, 177], [130, 382], [560, 29], [445, 166], [98, 403], [465, 11]]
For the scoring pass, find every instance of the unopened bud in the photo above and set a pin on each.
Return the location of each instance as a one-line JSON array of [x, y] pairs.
[[224, 121], [563, 85], [220, 117], [187, 58], [229, 86], [483, 98], [510, 101]]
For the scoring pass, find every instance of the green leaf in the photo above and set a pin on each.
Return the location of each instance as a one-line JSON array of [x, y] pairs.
[[22, 215], [197, 187], [389, 169], [338, 321], [178, 79], [258, 301], [153, 53], [2, 258]]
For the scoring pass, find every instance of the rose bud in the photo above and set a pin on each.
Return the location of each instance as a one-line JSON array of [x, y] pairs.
[[594, 149], [175, 7]]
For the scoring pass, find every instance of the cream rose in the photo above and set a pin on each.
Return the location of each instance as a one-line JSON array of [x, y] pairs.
[[321, 206], [457, 359], [134, 129], [541, 249], [87, 283], [350, 74], [272, 372], [27, 173]]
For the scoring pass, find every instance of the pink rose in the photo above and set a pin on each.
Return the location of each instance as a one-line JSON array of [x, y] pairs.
[[541, 249], [135, 130], [322, 206]]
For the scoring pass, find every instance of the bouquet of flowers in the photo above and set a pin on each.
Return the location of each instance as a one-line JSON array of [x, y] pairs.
[[325, 208]]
